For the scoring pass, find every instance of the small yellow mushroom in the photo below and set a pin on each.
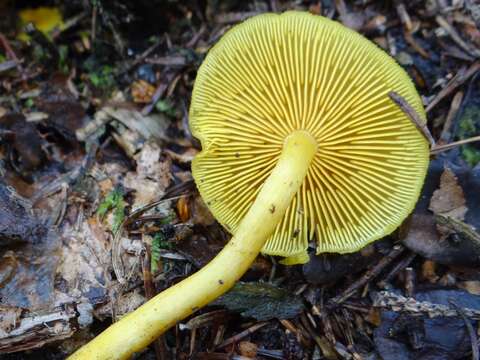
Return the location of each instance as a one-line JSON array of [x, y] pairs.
[[45, 19], [300, 141]]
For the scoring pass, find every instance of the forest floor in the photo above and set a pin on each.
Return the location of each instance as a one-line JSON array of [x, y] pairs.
[[99, 212]]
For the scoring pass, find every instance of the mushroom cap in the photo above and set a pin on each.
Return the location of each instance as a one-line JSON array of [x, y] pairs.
[[274, 74]]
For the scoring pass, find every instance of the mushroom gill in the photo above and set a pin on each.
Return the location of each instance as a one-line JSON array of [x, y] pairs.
[[275, 74]]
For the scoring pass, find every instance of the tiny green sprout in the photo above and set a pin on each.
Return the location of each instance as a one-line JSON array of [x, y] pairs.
[[166, 107], [159, 243], [113, 201]]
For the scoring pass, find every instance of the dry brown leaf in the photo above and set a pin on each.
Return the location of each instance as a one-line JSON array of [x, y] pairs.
[[201, 213], [9, 319], [374, 316], [142, 92], [183, 208], [248, 349], [83, 269], [472, 286], [152, 176], [428, 271], [449, 199]]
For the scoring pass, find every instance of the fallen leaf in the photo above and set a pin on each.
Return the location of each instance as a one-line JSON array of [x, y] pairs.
[[85, 258], [261, 301], [428, 271], [248, 349], [449, 199], [142, 92], [9, 318], [152, 175]]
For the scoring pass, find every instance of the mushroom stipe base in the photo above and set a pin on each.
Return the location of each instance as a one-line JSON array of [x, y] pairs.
[[138, 329]]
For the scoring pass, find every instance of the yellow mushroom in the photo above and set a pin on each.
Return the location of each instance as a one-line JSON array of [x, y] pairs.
[[45, 19], [300, 141]]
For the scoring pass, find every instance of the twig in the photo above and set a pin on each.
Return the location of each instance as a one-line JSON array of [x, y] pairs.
[[140, 58], [370, 274], [8, 49], [100, 119], [7, 65], [173, 193], [168, 61], [296, 331], [400, 303], [32, 330], [470, 330], [94, 22], [441, 148], [402, 264], [234, 17], [456, 102], [193, 41], [412, 115], [409, 281], [404, 17], [67, 179], [456, 37], [204, 319], [236, 338], [422, 127], [69, 24], [159, 92], [11, 54], [415, 45], [159, 343], [461, 77], [348, 331], [327, 329]]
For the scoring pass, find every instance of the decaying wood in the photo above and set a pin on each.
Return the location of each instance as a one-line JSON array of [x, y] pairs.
[[34, 330], [400, 303]]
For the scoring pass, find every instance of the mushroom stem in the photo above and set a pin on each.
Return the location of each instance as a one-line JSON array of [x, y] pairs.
[[138, 329]]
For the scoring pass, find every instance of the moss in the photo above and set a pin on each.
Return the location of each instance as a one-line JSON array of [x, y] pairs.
[[468, 126], [113, 201], [471, 155], [159, 243]]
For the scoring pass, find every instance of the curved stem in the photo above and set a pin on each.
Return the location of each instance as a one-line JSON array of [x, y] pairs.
[[139, 328]]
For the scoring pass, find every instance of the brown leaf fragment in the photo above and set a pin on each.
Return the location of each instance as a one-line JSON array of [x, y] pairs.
[[152, 175], [82, 269], [449, 199], [142, 92], [429, 271], [247, 349], [9, 316]]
